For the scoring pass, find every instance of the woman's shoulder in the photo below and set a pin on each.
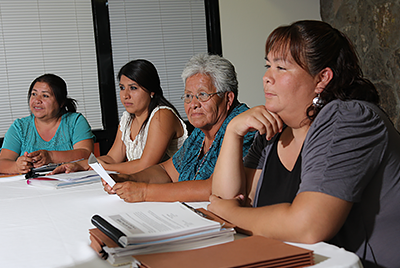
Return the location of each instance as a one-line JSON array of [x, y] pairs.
[[163, 111], [350, 112], [166, 115], [72, 117], [26, 121], [347, 120]]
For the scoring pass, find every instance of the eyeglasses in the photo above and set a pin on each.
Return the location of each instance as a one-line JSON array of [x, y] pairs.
[[202, 96]]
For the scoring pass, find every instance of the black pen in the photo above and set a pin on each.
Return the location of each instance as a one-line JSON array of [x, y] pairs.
[[194, 210]]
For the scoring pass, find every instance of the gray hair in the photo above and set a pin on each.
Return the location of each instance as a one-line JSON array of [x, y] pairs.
[[221, 71]]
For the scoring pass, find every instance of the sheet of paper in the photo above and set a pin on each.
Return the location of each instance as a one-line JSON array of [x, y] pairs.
[[92, 161], [73, 176], [7, 178], [163, 221]]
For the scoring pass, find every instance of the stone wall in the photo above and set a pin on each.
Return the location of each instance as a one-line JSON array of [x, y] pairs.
[[374, 28]]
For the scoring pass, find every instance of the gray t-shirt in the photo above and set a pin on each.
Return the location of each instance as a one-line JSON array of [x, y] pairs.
[[352, 151]]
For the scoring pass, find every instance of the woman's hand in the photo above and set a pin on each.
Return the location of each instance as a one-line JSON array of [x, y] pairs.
[[257, 118], [219, 206], [23, 163], [67, 168], [40, 158], [107, 187], [117, 178], [131, 191]]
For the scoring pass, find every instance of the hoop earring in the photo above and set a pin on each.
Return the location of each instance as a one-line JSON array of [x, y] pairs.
[[317, 102]]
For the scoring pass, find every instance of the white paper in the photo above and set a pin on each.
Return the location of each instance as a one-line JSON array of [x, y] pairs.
[[92, 161], [163, 221]]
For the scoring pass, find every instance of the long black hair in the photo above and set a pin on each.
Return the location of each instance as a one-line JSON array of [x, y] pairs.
[[145, 74], [315, 45], [59, 88]]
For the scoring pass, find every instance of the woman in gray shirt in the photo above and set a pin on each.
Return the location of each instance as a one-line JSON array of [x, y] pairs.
[[319, 112]]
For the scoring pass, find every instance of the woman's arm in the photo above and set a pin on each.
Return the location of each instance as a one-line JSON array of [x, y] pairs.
[[82, 150], [184, 191], [311, 218], [159, 183], [11, 163], [163, 127], [229, 173], [161, 173]]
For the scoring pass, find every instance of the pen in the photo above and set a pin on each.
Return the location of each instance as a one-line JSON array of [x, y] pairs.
[[194, 210], [72, 161]]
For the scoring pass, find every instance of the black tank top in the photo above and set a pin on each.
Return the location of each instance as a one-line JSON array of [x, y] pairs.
[[279, 185]]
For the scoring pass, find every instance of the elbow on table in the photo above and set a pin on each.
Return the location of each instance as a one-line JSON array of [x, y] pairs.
[[298, 234], [312, 235]]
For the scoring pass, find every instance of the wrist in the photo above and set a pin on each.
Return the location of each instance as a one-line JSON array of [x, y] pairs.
[[234, 133], [145, 190]]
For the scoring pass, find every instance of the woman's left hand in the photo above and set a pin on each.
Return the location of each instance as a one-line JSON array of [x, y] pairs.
[[219, 206], [131, 191], [40, 158]]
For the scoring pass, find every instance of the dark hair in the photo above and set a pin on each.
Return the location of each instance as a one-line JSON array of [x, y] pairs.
[[315, 45], [59, 88], [145, 74]]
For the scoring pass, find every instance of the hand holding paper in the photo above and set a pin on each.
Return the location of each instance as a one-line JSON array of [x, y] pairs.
[[92, 161]]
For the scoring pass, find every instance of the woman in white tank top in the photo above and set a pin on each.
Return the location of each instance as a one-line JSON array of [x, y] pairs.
[[151, 129]]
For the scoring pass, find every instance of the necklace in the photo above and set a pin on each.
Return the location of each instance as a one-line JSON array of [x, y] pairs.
[[204, 156]]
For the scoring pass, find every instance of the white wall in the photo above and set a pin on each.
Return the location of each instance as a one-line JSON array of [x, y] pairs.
[[245, 26]]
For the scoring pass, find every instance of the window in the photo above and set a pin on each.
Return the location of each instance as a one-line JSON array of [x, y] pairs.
[[43, 36], [165, 32]]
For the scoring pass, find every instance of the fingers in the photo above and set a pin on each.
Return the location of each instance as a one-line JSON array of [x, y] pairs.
[[23, 164], [131, 191], [266, 122], [59, 169], [40, 157], [107, 187], [213, 197], [257, 119]]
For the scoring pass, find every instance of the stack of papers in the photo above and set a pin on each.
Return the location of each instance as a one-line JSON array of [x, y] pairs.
[[163, 228], [63, 180], [253, 251]]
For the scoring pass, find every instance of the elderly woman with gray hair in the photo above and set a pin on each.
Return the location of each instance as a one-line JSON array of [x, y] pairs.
[[210, 100]]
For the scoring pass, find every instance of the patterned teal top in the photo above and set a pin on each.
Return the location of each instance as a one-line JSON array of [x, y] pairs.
[[187, 161], [22, 135]]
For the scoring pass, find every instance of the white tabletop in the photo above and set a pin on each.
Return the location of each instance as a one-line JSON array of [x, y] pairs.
[[49, 227]]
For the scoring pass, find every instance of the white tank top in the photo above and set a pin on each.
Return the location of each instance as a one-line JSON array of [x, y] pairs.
[[134, 148]]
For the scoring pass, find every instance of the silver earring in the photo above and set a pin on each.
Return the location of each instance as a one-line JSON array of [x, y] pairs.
[[151, 96], [317, 102]]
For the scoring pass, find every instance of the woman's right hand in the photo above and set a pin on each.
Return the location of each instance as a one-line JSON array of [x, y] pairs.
[[24, 163], [256, 118]]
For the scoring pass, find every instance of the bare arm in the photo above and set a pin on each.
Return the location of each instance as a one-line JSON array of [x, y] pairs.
[[161, 173], [163, 127], [229, 173], [11, 163], [82, 149], [188, 191], [159, 183], [311, 218]]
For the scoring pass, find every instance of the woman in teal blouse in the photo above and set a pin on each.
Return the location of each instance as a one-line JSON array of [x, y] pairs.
[[53, 133]]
